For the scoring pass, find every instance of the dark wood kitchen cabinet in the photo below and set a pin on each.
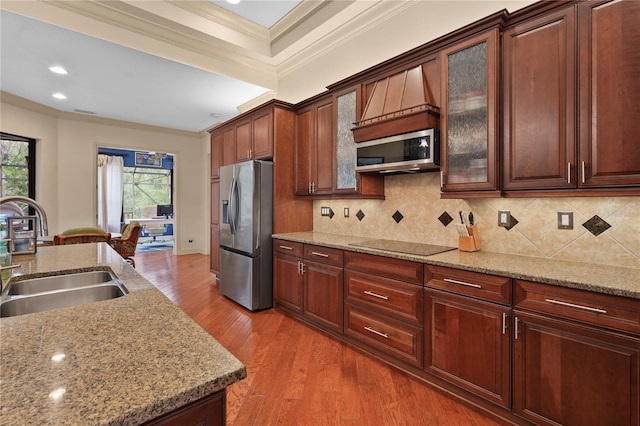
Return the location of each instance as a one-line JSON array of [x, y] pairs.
[[469, 126], [576, 356], [467, 342], [228, 145], [383, 305], [609, 82], [308, 281], [215, 227], [539, 103], [210, 411], [314, 150], [287, 280], [569, 119]]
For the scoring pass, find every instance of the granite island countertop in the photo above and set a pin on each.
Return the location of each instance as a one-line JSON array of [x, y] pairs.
[[585, 276], [124, 361]]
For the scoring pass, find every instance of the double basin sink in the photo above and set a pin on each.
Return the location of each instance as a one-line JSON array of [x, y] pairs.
[[40, 294]]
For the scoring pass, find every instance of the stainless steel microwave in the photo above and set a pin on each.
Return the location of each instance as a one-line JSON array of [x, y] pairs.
[[409, 152]]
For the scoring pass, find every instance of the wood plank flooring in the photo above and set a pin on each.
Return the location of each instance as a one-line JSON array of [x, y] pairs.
[[296, 375]]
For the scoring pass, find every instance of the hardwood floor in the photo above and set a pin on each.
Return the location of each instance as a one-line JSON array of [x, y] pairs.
[[296, 375]]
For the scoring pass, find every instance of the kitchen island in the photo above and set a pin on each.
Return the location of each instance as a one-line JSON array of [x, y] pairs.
[[127, 360]]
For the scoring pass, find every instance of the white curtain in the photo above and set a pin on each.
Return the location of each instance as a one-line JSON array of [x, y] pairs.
[[110, 192]]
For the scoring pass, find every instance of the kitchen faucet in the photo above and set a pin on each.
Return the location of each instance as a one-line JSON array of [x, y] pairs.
[[42, 216]]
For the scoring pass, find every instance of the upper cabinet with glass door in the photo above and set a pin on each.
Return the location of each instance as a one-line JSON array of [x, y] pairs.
[[469, 124], [348, 183]]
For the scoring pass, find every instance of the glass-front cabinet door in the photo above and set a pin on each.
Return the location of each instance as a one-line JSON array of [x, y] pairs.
[[469, 137]]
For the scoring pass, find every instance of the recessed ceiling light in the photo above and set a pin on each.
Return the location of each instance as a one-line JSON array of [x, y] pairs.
[[58, 70], [233, 1], [59, 96]]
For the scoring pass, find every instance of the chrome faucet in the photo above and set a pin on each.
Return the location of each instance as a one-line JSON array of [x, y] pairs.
[[42, 216]]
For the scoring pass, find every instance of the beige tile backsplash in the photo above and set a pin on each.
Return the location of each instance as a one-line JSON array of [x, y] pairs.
[[417, 198]]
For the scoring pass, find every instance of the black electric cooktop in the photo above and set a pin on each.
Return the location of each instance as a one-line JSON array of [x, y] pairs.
[[403, 247]]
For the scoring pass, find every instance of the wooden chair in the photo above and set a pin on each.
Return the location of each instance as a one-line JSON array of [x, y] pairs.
[[81, 236], [126, 245]]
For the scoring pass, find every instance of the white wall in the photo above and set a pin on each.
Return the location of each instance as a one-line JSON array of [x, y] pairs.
[[66, 172]]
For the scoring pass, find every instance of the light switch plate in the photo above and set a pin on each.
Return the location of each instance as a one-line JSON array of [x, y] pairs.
[[504, 218], [346, 212], [565, 220]]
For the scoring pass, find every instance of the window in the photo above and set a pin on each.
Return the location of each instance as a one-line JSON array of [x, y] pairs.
[[17, 165], [144, 188]]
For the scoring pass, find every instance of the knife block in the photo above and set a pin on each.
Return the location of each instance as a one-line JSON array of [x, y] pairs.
[[472, 242]]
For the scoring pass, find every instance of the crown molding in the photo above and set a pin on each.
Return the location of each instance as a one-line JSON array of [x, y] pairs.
[[359, 18]]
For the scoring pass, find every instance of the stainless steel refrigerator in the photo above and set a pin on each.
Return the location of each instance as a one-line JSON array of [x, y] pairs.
[[246, 213]]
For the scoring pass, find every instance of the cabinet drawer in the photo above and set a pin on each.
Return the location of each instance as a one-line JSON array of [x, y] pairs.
[[288, 247], [396, 338], [396, 269], [400, 300], [482, 286], [616, 312], [327, 255]]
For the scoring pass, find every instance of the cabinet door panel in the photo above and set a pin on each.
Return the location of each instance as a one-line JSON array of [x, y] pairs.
[[216, 154], [469, 125], [324, 150], [228, 146], [466, 343], [609, 92], [539, 98], [574, 375], [214, 252], [243, 141], [287, 283], [262, 128], [215, 202], [304, 141], [323, 294]]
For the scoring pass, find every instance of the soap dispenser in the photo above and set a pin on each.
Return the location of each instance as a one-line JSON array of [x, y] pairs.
[[5, 261]]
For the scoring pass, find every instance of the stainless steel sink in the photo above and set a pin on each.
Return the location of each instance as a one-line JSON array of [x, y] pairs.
[[59, 282], [59, 291]]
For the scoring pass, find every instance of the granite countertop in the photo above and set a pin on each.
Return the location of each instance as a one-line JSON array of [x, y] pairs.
[[585, 276], [126, 360]]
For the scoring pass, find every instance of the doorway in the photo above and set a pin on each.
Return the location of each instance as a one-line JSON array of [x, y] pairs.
[[143, 192]]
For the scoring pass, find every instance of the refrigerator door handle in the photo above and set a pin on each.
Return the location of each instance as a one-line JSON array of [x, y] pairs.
[[232, 206]]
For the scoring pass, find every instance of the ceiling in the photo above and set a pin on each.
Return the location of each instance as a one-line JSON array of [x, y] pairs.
[[191, 64], [109, 80]]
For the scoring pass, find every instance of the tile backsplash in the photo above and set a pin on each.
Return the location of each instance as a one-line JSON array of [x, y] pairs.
[[413, 211]]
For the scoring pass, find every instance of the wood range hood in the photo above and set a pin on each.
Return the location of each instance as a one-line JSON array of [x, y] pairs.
[[397, 104]]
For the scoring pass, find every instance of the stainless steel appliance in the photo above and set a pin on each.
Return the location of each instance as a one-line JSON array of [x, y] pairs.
[[246, 220], [406, 247], [410, 152]]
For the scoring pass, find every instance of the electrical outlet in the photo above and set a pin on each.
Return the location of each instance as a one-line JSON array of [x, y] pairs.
[[346, 212], [565, 220], [504, 218]]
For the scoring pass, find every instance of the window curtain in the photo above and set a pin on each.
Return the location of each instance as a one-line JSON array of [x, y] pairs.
[[110, 192]]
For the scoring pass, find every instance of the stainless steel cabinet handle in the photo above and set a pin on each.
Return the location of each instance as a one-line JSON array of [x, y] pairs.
[[462, 283], [568, 172], [573, 305], [379, 296], [315, 253], [504, 323], [313, 187], [371, 330], [299, 263], [441, 179], [286, 247], [309, 190], [516, 328], [583, 174]]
